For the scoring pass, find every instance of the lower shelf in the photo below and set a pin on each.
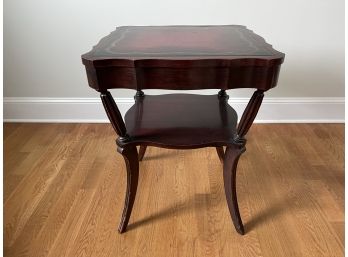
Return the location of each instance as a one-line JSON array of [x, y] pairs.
[[181, 121]]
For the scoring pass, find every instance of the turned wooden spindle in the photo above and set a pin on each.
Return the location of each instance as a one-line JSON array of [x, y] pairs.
[[250, 113], [113, 114]]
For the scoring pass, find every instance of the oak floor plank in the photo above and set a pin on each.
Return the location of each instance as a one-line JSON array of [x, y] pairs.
[[43, 187], [9, 128], [79, 178], [64, 187]]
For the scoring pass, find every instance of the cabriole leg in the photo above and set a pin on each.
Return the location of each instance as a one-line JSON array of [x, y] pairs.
[[220, 152], [130, 156], [232, 155], [142, 150]]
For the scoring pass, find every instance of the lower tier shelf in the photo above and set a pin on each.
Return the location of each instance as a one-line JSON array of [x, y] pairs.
[[181, 121]]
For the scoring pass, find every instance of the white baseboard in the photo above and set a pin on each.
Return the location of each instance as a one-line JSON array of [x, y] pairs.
[[273, 110]]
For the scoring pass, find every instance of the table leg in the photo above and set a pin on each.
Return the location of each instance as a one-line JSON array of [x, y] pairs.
[[142, 150], [232, 155], [130, 156], [221, 153]]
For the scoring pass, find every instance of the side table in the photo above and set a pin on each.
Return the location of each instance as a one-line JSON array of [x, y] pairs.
[[182, 58]]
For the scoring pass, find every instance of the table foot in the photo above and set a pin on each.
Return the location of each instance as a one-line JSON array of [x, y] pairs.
[[232, 155], [130, 156]]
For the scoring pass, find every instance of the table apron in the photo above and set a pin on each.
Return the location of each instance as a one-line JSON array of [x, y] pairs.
[[103, 78]]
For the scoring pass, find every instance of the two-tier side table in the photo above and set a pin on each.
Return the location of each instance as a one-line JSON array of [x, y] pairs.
[[182, 58]]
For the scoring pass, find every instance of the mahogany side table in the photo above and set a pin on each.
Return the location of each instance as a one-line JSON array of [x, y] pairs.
[[182, 58]]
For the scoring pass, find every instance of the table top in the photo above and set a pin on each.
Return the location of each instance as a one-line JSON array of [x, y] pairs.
[[129, 46], [182, 58]]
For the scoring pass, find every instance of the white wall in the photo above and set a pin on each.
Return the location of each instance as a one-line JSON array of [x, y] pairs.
[[43, 40]]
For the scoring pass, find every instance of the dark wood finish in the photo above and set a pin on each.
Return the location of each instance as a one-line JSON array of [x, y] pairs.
[[114, 114], [130, 156], [232, 155], [142, 151], [139, 93], [183, 121], [250, 113], [149, 46], [182, 58], [222, 94], [221, 153]]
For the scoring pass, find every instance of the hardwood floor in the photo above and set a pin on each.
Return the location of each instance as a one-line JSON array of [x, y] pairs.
[[64, 188]]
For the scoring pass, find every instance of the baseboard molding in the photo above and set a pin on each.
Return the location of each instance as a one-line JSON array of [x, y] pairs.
[[273, 110]]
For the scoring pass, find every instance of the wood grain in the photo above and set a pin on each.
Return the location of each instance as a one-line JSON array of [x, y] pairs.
[[182, 58], [64, 189], [173, 121]]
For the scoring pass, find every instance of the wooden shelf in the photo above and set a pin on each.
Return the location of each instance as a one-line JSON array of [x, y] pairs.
[[181, 121]]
